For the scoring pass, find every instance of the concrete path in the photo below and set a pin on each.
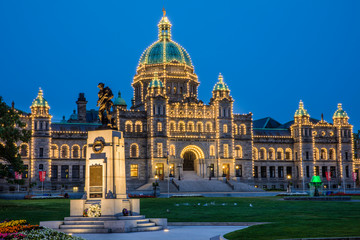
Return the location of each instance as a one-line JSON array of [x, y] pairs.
[[173, 233]]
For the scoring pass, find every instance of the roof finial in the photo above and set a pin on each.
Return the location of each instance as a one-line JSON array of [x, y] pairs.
[[164, 11], [322, 117]]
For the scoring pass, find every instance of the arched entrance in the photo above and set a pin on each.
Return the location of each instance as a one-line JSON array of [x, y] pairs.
[[193, 160], [189, 159]]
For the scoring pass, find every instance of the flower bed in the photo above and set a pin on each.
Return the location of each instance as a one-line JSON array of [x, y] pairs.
[[19, 229], [344, 194], [140, 196]]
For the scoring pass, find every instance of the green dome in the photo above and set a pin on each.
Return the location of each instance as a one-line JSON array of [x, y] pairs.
[[156, 83], [165, 50], [40, 101], [74, 116], [340, 113], [301, 111], [220, 85], [119, 101]]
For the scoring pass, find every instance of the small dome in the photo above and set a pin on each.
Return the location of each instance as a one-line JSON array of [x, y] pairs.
[[340, 113], [220, 85], [301, 111], [40, 101], [156, 83], [119, 101]]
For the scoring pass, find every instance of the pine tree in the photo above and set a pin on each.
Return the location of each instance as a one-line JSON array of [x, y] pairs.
[[12, 131]]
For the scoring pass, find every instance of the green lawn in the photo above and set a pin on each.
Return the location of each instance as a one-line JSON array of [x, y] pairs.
[[289, 219]]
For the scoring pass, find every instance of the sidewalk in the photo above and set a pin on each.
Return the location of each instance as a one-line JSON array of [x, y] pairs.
[[173, 233]]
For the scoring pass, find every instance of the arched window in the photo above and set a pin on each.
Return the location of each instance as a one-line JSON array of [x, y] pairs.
[[200, 127], [159, 127], [172, 150], [242, 129], [271, 153], [24, 150], [225, 128], [54, 151], [262, 153], [64, 151], [323, 154], [138, 126], [84, 151], [128, 126], [316, 153], [332, 154], [182, 126], [280, 154], [238, 151], [208, 127], [226, 150], [172, 126], [134, 150], [212, 150], [235, 129], [75, 151], [191, 126], [288, 154], [255, 153]]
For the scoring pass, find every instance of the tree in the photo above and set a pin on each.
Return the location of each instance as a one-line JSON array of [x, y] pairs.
[[12, 131]]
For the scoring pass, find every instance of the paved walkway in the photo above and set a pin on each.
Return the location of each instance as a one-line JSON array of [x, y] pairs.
[[174, 233]]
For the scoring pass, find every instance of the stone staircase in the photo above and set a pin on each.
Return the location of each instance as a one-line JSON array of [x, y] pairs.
[[97, 224]]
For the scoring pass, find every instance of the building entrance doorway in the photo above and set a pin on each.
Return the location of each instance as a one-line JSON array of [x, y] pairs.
[[189, 159], [159, 167], [226, 171]]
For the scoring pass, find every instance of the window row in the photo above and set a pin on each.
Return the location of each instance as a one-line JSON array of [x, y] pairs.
[[41, 125], [272, 154], [191, 126], [133, 127]]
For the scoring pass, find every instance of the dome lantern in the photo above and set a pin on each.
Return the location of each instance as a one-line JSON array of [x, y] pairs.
[[301, 112], [119, 101], [340, 113], [220, 85]]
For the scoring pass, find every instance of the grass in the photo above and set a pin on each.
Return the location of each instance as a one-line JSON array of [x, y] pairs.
[[289, 219]]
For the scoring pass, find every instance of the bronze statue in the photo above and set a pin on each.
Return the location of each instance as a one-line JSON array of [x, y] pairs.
[[105, 95]]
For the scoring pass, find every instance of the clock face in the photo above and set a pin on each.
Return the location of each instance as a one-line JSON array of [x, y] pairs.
[[98, 146]]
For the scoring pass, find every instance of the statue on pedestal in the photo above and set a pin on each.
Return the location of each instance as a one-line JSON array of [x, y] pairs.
[[105, 95]]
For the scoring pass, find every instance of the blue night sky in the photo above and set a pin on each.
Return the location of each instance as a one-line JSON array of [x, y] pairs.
[[271, 53]]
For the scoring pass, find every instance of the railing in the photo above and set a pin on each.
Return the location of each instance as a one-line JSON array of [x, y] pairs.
[[175, 184], [230, 184]]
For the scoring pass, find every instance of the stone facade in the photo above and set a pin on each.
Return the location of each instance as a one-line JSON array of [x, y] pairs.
[[168, 130]]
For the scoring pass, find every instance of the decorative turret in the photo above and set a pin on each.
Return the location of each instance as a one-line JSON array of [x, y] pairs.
[[81, 108], [340, 116], [221, 90], [120, 102], [301, 115], [164, 27], [40, 106]]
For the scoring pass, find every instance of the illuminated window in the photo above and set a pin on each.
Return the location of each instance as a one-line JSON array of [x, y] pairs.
[[235, 129], [134, 170], [208, 127], [316, 153], [225, 128], [65, 171], [159, 150], [280, 154], [271, 153], [134, 150], [242, 129], [75, 151], [128, 126], [172, 126], [200, 127], [323, 154], [262, 153], [212, 150], [238, 151], [138, 126], [182, 126], [288, 154], [84, 151], [54, 151], [172, 150], [159, 127], [191, 126], [332, 154], [255, 153], [226, 150], [64, 151]]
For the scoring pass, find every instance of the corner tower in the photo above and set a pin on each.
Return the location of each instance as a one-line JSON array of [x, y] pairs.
[[173, 65]]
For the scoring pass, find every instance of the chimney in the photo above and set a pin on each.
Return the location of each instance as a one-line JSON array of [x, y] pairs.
[[81, 107]]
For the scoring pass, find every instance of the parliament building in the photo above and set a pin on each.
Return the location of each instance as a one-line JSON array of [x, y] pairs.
[[168, 130]]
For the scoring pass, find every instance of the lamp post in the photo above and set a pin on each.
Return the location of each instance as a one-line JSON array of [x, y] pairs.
[[289, 179], [179, 166], [170, 179], [155, 184], [210, 170]]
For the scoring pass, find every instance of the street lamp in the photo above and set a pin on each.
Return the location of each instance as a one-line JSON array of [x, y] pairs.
[[289, 179], [179, 166], [210, 171], [155, 184], [237, 171]]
